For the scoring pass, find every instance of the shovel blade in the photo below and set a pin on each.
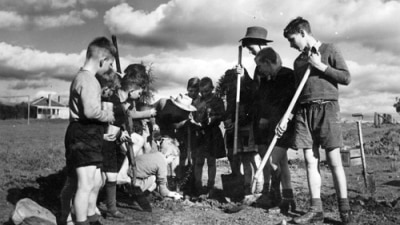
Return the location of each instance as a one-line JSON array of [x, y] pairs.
[[233, 185]]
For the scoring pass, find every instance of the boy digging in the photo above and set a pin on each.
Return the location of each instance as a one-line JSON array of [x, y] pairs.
[[317, 118]]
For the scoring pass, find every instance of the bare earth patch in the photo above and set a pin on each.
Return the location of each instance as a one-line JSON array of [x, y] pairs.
[[32, 158]]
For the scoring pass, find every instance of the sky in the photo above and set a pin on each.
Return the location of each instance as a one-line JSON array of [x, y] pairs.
[[43, 42]]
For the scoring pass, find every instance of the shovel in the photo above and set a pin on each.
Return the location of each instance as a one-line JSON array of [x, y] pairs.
[[368, 176], [252, 198]]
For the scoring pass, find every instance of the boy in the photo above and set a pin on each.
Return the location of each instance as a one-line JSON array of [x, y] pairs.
[[210, 112], [317, 118], [84, 136], [246, 148], [255, 40], [124, 89], [276, 89]]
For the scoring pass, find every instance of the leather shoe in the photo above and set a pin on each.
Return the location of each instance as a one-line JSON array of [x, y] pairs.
[[115, 214], [265, 201], [95, 223], [143, 203], [310, 217], [287, 204]]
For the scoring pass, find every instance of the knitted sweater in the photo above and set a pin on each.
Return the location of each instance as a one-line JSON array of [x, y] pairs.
[[322, 85]]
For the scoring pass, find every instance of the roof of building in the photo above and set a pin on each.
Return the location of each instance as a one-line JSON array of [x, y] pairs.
[[45, 102]]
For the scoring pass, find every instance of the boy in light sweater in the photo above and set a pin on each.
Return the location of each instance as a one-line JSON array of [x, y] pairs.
[[84, 136]]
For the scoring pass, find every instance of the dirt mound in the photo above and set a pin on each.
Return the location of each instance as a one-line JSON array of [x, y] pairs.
[[387, 143]]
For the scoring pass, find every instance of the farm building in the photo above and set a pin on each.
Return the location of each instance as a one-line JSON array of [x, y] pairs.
[[49, 109]]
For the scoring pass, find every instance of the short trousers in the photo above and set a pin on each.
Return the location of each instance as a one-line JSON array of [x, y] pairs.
[[245, 141], [83, 145], [265, 136], [318, 124], [110, 163], [148, 183]]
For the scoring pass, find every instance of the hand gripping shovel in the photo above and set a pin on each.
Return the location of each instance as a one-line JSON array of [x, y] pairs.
[[250, 199]]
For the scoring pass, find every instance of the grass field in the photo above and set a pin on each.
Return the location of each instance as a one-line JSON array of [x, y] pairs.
[[29, 151]]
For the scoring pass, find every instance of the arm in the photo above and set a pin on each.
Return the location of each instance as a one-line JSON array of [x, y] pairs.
[[161, 177], [335, 68], [217, 112], [141, 114], [91, 102], [179, 124]]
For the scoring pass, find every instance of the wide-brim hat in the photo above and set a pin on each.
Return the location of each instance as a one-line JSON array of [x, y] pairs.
[[259, 33], [184, 102]]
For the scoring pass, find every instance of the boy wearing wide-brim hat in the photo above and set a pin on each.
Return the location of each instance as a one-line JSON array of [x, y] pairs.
[[254, 40], [172, 113]]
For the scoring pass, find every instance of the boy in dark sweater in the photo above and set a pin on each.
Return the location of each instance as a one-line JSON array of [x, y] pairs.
[[275, 91], [317, 117]]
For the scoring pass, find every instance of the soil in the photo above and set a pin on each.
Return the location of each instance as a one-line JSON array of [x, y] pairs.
[[42, 179]]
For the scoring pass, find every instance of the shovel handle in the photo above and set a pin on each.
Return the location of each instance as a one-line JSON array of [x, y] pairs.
[[364, 165], [114, 40], [236, 127]]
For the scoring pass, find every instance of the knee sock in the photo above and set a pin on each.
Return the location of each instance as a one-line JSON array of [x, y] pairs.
[[93, 218], [111, 190], [344, 205], [316, 204], [287, 193], [86, 222]]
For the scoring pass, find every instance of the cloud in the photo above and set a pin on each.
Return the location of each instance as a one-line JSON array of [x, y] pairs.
[[180, 23], [36, 6], [12, 20], [89, 13], [27, 64], [173, 72], [28, 84], [44, 14], [73, 18]]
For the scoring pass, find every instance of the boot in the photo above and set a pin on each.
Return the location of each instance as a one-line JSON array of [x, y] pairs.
[[311, 217], [287, 201], [111, 201], [141, 199], [272, 198]]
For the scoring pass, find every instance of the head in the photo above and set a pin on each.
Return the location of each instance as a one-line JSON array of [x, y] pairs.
[[129, 86], [109, 82], [255, 39], [268, 62], [138, 73], [193, 87], [206, 87], [297, 32], [102, 51], [254, 45], [183, 102], [169, 148]]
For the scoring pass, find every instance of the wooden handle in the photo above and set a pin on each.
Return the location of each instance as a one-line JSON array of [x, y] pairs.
[[114, 40]]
